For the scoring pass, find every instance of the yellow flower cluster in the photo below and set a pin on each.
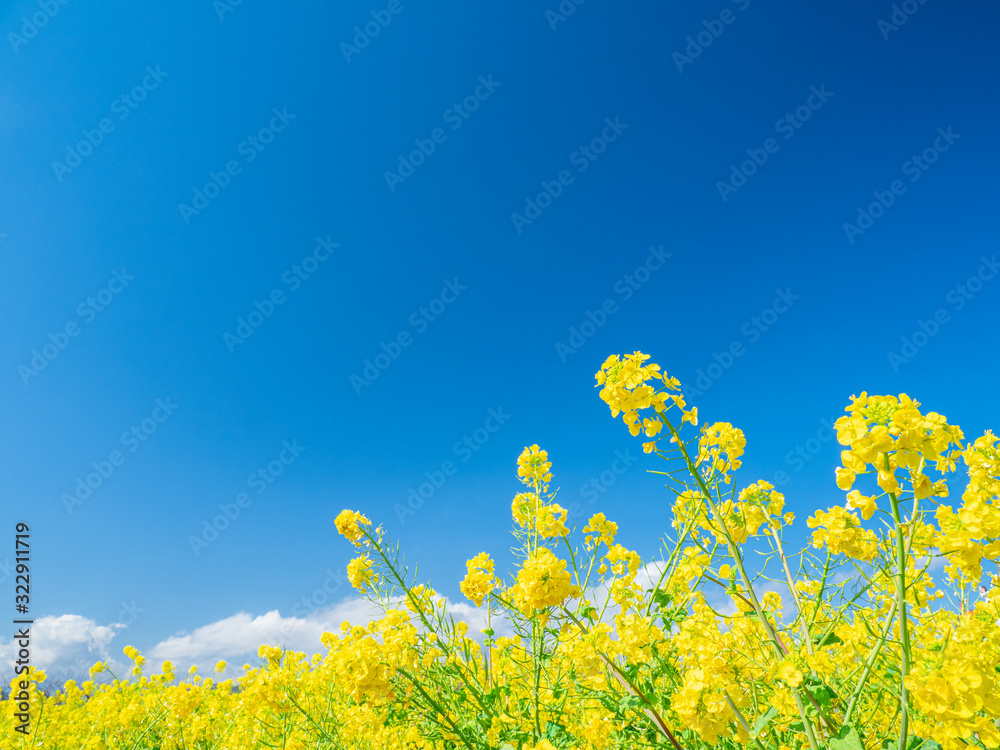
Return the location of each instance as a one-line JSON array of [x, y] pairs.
[[601, 530], [891, 435], [533, 466], [605, 648], [625, 391], [361, 573], [971, 535], [542, 582], [720, 448], [548, 521], [349, 523], [481, 579], [841, 533], [956, 688]]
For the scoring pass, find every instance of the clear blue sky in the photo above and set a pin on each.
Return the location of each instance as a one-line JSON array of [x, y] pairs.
[[647, 139]]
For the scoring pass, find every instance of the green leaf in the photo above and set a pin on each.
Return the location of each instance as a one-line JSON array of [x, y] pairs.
[[661, 598], [830, 639], [762, 721], [822, 694], [629, 702], [847, 739], [919, 743], [553, 730]]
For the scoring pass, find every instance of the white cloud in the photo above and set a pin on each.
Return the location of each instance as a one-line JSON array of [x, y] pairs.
[[65, 646], [237, 638]]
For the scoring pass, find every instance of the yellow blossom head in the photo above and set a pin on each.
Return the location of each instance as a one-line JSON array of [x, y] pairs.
[[349, 523], [788, 674], [524, 508], [552, 521], [601, 530], [542, 582], [480, 580], [533, 466], [625, 391], [420, 599], [857, 501], [361, 573], [841, 532], [720, 448]]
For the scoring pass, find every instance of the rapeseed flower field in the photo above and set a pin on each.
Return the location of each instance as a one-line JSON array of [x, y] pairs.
[[853, 644]]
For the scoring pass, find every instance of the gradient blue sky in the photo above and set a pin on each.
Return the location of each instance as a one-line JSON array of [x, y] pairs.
[[657, 185]]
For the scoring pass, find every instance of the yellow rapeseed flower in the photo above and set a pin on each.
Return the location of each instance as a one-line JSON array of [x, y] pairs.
[[349, 523]]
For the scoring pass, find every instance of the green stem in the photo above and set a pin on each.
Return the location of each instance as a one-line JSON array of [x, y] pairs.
[[869, 663], [737, 556], [873, 654], [742, 719], [650, 710], [438, 708], [904, 630], [791, 588], [444, 645], [538, 676], [670, 561]]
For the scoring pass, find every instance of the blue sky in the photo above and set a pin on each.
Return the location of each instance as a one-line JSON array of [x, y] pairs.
[[800, 187]]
